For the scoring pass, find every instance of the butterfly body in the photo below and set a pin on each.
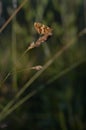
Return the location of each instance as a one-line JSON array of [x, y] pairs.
[[42, 29]]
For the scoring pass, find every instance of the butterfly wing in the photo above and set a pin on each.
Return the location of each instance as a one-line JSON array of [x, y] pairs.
[[42, 29]]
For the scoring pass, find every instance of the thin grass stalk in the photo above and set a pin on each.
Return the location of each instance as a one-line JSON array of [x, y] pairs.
[[27, 85], [14, 78], [13, 15], [26, 97], [66, 71], [62, 120], [21, 101], [18, 104]]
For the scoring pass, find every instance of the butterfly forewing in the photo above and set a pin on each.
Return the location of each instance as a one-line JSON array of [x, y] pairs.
[[42, 29]]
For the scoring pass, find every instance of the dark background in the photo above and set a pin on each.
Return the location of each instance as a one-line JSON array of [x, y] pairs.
[[60, 99]]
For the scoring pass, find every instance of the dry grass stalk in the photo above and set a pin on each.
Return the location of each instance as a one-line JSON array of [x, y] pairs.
[[43, 30], [38, 67]]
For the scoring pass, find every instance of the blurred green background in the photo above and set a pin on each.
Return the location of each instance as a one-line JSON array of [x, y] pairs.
[[55, 99]]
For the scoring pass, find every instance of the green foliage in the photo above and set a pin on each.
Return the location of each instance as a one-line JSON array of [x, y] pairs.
[[54, 97]]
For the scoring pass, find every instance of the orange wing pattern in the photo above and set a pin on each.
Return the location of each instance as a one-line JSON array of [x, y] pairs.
[[42, 29]]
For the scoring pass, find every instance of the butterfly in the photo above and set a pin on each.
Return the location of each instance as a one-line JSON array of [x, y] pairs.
[[42, 29]]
